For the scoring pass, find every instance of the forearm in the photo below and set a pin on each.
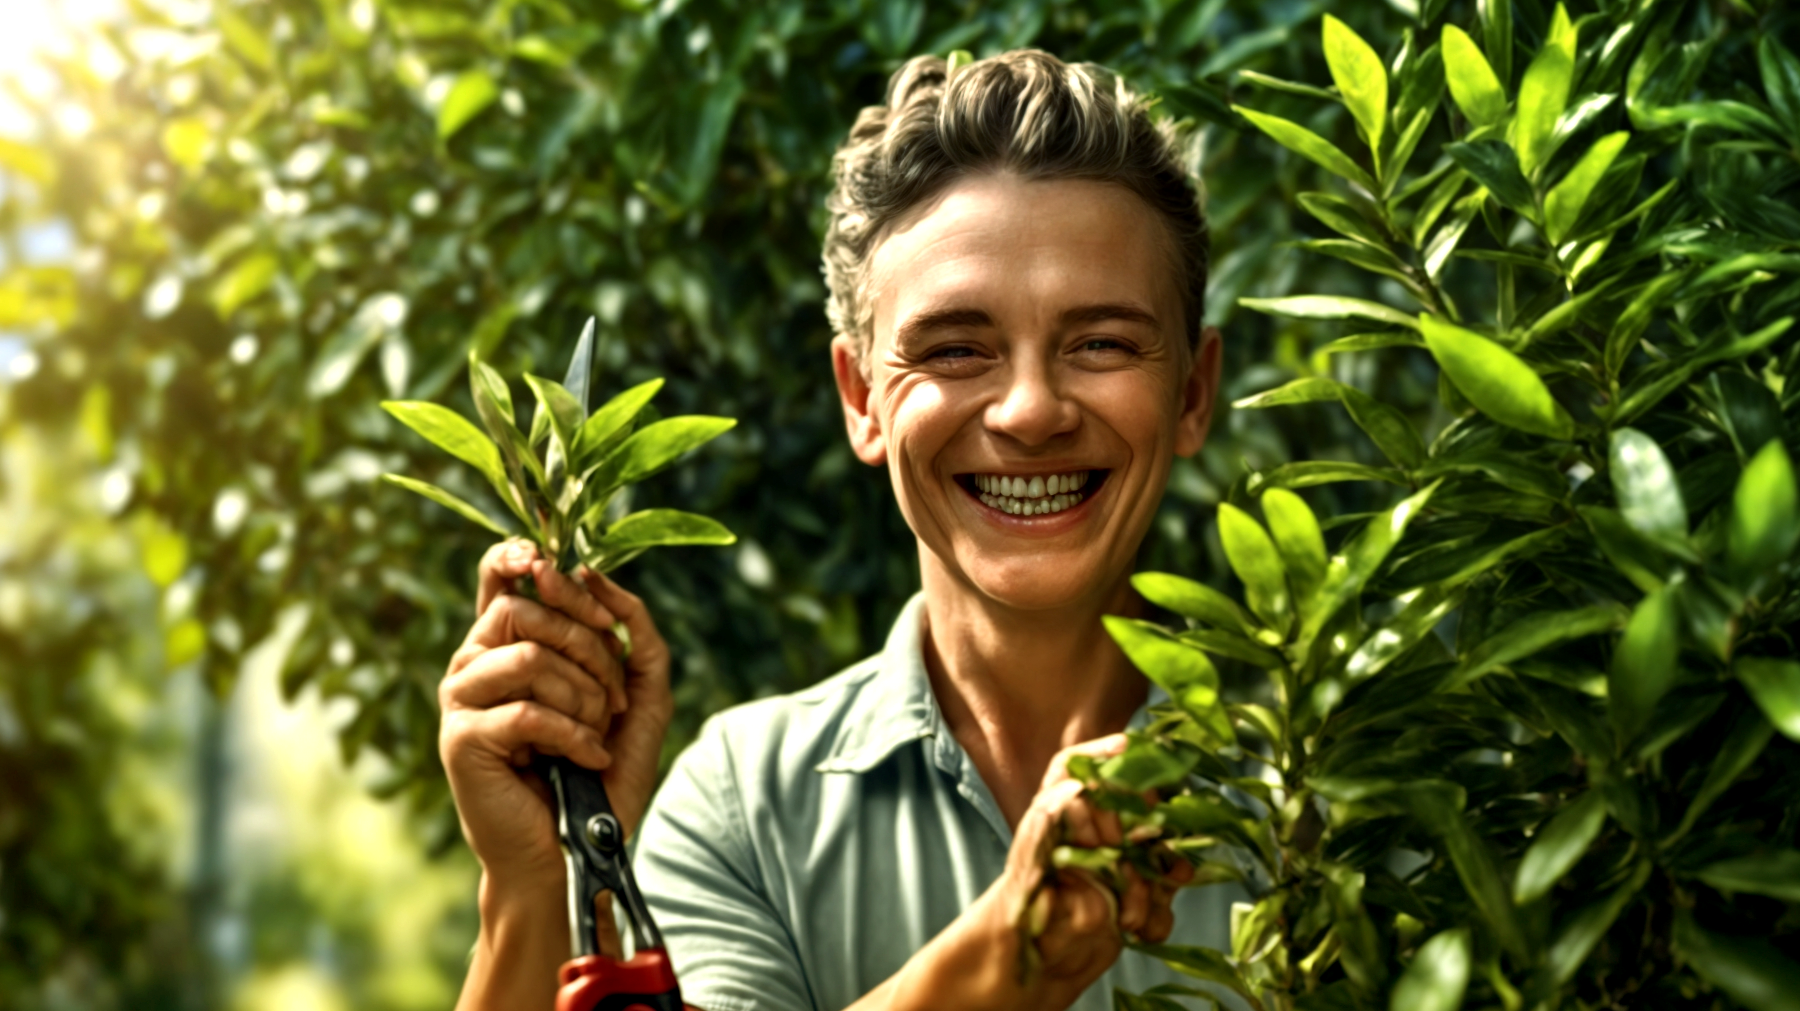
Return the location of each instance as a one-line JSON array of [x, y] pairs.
[[524, 939], [973, 965]]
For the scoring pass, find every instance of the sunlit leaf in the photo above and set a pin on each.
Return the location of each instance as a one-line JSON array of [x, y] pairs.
[[1645, 664], [1295, 531], [1360, 78], [1439, 972], [656, 446], [472, 92], [1558, 845], [1775, 685], [449, 501], [1254, 558], [1472, 82], [1649, 495], [1308, 144], [1181, 670], [452, 433], [251, 277], [1564, 204], [1330, 307], [1765, 519], [1544, 93], [662, 527], [1192, 599], [1495, 380], [600, 431]]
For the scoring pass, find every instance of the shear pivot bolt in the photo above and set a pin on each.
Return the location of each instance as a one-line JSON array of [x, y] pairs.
[[604, 832]]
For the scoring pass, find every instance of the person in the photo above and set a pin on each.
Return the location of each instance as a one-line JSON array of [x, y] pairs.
[[1016, 260]]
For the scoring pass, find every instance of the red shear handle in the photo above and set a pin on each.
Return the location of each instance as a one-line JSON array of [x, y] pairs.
[[643, 982]]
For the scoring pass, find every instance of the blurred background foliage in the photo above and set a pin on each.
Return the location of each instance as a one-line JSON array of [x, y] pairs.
[[229, 229]]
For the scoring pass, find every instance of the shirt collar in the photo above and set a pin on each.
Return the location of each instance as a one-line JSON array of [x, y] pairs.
[[895, 706]]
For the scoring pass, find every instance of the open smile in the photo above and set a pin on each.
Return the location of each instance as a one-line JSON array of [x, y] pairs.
[[1033, 494]]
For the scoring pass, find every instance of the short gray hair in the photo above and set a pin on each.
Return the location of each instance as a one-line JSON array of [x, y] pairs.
[[1024, 112]]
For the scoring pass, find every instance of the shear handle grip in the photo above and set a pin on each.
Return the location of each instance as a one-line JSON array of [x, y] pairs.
[[643, 982]]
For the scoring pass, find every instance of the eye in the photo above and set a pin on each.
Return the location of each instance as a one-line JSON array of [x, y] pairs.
[[1102, 344], [952, 352]]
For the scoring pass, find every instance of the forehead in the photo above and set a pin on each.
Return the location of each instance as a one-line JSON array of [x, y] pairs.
[[1042, 243]]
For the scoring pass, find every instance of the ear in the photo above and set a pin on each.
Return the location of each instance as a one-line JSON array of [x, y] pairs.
[[1198, 393], [867, 439]]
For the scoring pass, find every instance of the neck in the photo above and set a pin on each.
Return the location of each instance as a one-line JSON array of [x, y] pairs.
[[1017, 686]]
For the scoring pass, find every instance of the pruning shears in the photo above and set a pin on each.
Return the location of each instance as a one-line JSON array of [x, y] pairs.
[[593, 843]]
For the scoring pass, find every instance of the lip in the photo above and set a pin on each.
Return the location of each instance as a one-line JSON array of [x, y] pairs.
[[1050, 523]]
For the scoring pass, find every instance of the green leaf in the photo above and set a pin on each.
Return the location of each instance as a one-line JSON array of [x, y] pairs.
[[1330, 307], [1349, 570], [1544, 93], [244, 38], [472, 92], [580, 375], [650, 528], [1147, 765], [1230, 644], [651, 449], [1472, 82], [1750, 969], [1559, 845], [1749, 411], [1390, 430], [1748, 736], [1307, 473], [1532, 634], [1439, 972], [1201, 963], [1342, 216], [251, 277], [1102, 858], [1297, 536], [1438, 805], [1372, 342], [1584, 930], [1775, 685], [444, 498], [1776, 874], [1495, 166], [1361, 79], [1420, 615], [1181, 670], [493, 402], [599, 432], [1764, 519], [452, 433], [1781, 79], [1495, 380], [1563, 205], [1308, 144], [1645, 664], [1254, 558], [1192, 600], [1645, 484]]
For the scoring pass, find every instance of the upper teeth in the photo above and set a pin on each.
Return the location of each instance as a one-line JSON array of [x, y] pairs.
[[1031, 496]]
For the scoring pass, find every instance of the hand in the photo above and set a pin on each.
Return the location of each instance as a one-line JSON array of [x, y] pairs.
[[1083, 922], [540, 676]]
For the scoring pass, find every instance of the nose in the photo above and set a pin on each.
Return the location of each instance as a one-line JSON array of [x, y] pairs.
[[1033, 408]]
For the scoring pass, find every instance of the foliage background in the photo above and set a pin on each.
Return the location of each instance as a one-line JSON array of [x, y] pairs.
[[227, 230]]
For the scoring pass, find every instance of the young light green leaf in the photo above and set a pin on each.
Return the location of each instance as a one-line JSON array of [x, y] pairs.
[[1098, 859], [1297, 536], [1179, 669], [493, 402], [1649, 494], [1439, 973], [565, 417], [1544, 93], [1496, 167], [651, 449], [1495, 380], [1765, 521], [1472, 82], [1147, 765], [1254, 558], [444, 498], [1559, 845], [1308, 144], [581, 370], [452, 433], [651, 528], [601, 431], [1361, 79], [1563, 205], [1775, 685], [1330, 307], [472, 92], [1751, 970], [1775, 874], [1192, 599], [1645, 664]]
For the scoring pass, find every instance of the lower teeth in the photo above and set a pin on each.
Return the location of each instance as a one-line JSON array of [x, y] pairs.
[[1032, 506]]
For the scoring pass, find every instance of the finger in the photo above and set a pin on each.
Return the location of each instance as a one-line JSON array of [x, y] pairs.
[[527, 670], [1134, 904], [559, 591], [1079, 827], [1080, 931], [512, 618], [649, 653], [1158, 925], [503, 730], [1099, 747], [500, 570]]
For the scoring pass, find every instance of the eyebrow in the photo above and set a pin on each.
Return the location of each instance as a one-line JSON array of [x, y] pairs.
[[950, 318]]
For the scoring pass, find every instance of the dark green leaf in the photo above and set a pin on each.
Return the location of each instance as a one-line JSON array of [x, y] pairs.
[[1532, 634], [1748, 409], [1343, 217], [1558, 845], [1495, 380], [1494, 165], [1754, 972], [1439, 972], [1584, 930], [1389, 429], [1402, 632], [1201, 963], [1775, 873], [1781, 79], [1775, 685], [1307, 473], [1746, 740], [1350, 570]]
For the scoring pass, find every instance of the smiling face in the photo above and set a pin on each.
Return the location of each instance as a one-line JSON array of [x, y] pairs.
[[1028, 384]]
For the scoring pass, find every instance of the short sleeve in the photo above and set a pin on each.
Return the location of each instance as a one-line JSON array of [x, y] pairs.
[[696, 866]]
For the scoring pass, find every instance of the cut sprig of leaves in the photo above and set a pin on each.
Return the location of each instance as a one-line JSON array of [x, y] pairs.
[[564, 479], [1521, 731]]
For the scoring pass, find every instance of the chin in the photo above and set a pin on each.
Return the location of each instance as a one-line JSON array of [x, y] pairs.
[[1041, 582]]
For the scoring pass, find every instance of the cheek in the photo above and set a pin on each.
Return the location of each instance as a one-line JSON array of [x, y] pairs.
[[922, 417], [1137, 404]]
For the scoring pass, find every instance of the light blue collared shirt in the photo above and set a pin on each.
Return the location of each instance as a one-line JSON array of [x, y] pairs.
[[805, 846]]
